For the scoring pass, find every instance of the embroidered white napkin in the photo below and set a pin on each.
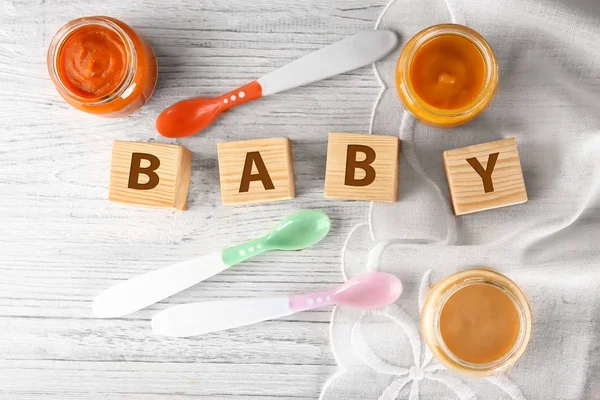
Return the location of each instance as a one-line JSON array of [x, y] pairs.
[[549, 99]]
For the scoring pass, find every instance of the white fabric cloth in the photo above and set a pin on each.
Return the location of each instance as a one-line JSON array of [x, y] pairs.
[[549, 99]]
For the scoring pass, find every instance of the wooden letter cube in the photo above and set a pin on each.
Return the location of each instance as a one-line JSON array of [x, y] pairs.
[[362, 167], [256, 171], [485, 176], [150, 174]]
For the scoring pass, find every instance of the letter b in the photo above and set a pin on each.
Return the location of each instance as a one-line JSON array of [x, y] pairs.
[[352, 164], [362, 167], [136, 169]]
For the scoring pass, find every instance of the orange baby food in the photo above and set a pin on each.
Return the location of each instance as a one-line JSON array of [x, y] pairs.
[[100, 65], [92, 61], [446, 75], [448, 72], [479, 323]]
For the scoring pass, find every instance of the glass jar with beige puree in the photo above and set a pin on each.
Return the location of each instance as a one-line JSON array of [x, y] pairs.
[[477, 322]]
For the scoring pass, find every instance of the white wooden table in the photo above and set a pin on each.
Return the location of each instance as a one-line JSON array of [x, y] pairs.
[[62, 242]]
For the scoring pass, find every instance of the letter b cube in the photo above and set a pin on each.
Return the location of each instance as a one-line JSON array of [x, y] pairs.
[[362, 167], [150, 174]]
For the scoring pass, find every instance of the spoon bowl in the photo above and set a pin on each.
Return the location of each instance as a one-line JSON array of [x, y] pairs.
[[187, 117], [369, 291], [298, 231]]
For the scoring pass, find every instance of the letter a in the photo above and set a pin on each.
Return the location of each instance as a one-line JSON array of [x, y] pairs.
[[255, 158]]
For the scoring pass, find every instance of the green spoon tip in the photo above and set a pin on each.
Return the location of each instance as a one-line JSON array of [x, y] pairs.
[[296, 232], [299, 231]]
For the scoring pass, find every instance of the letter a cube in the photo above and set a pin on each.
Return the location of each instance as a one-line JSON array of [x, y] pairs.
[[256, 171], [362, 167], [485, 176], [150, 174]]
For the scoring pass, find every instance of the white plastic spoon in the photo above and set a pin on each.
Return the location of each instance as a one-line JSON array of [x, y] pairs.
[[365, 292], [295, 232], [188, 117]]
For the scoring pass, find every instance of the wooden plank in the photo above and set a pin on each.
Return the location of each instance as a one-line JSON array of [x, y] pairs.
[[62, 242], [62, 379]]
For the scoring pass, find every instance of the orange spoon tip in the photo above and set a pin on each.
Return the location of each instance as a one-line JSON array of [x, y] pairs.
[[187, 117]]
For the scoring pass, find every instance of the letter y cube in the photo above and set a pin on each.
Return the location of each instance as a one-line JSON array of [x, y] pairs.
[[485, 176]]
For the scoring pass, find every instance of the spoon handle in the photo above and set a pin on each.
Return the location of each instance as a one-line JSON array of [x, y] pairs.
[[198, 318], [241, 95], [143, 290], [345, 55], [242, 252], [308, 301]]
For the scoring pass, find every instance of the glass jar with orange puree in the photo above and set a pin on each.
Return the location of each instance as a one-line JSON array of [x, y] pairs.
[[446, 75], [477, 322], [100, 65]]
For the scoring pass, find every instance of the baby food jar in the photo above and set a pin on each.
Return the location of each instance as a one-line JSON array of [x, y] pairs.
[[476, 322], [446, 75], [100, 65]]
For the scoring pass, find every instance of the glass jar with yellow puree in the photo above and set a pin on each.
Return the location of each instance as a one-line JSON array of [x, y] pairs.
[[476, 322], [446, 75]]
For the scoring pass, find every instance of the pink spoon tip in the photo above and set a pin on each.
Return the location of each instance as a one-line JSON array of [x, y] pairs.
[[369, 291]]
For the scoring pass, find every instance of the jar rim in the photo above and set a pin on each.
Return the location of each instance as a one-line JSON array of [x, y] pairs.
[[70, 28], [440, 294], [426, 35]]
